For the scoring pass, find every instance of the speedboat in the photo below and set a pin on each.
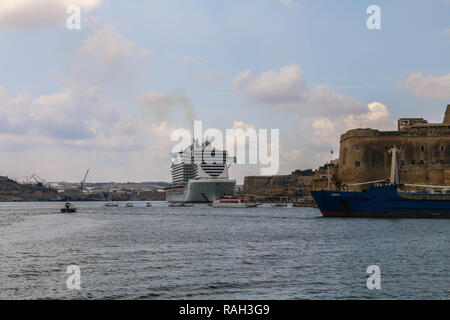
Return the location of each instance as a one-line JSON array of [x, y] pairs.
[[68, 208], [176, 204], [129, 204], [111, 204], [279, 205], [149, 204]]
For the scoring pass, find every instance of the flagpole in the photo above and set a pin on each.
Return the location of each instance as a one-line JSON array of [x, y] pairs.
[[328, 171]]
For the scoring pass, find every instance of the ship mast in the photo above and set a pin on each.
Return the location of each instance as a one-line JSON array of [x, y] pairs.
[[394, 165]]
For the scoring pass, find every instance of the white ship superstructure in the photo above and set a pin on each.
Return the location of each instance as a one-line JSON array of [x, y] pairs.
[[200, 174]]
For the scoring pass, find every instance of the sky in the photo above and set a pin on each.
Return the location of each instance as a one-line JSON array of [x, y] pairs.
[[109, 95]]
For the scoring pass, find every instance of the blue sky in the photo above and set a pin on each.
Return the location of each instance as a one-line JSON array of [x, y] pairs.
[[91, 79]]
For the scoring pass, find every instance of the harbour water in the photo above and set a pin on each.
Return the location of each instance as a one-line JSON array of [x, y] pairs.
[[210, 253]]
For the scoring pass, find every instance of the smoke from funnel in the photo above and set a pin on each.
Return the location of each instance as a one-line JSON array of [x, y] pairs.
[[162, 105]]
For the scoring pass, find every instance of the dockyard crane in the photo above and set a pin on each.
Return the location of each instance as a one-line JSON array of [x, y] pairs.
[[39, 180], [83, 181]]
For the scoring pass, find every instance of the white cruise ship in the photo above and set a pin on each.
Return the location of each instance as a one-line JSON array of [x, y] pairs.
[[200, 174]]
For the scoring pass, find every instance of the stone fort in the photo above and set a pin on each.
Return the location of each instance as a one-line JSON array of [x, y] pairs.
[[424, 158]]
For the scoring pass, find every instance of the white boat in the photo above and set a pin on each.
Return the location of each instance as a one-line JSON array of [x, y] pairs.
[[279, 205], [180, 204], [111, 204], [129, 204], [231, 202]]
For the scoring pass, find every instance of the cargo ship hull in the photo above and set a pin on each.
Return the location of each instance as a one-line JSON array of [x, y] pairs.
[[382, 202]]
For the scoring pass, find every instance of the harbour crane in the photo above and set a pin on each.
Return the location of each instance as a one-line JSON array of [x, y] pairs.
[[83, 181], [39, 180]]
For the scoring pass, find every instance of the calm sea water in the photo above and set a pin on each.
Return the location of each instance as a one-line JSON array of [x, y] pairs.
[[208, 253]]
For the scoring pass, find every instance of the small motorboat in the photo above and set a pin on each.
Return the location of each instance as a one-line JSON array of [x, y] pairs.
[[68, 208], [180, 204], [149, 204], [111, 204], [231, 202], [129, 204], [279, 205]]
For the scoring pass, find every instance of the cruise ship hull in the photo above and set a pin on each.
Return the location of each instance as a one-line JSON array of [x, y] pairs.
[[201, 190], [382, 202]]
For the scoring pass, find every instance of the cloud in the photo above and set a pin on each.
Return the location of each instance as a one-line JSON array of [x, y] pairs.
[[162, 104], [242, 125], [75, 116], [427, 86], [107, 47], [211, 77], [328, 130], [190, 59], [32, 14], [77, 127], [289, 3], [324, 114], [287, 90], [271, 86]]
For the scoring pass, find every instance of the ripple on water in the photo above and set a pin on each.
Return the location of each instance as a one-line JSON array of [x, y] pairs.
[[208, 253]]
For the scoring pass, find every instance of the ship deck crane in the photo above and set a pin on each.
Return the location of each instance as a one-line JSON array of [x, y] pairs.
[[83, 181]]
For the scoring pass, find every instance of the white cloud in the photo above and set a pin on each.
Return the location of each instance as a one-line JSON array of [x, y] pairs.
[[242, 125], [290, 160], [162, 104], [427, 86], [191, 59], [211, 77], [328, 130], [288, 90], [76, 116], [78, 128], [107, 47], [289, 3], [272, 86], [30, 14]]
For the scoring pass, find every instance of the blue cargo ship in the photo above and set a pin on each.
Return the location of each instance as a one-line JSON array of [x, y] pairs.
[[384, 201]]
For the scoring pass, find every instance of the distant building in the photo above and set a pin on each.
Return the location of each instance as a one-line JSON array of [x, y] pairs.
[[424, 156], [286, 187], [321, 181]]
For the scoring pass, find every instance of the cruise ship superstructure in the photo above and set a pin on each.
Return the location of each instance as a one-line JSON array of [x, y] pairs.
[[200, 174]]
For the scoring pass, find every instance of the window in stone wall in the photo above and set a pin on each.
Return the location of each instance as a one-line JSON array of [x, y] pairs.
[[357, 164], [442, 148], [422, 148], [357, 148]]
